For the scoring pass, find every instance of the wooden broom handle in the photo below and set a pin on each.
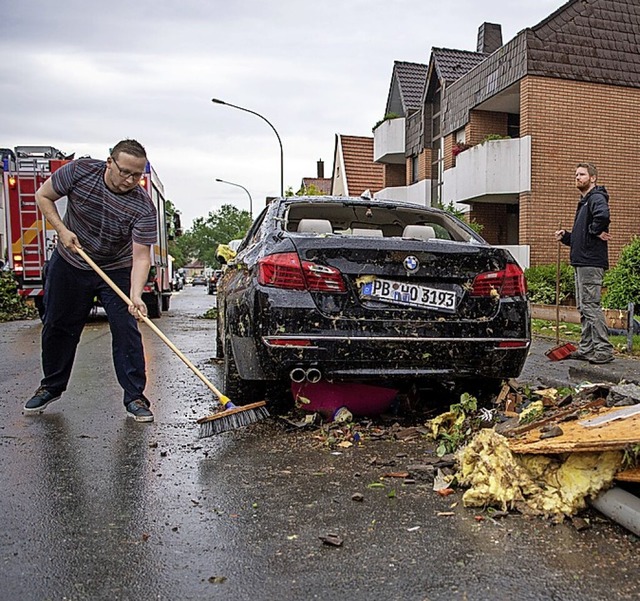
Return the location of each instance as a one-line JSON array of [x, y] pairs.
[[558, 290], [223, 399]]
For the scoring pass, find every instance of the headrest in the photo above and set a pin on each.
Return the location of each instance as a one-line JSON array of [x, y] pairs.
[[315, 226], [419, 232]]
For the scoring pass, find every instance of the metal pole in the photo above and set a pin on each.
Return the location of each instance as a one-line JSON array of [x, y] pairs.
[[630, 324], [241, 108], [247, 191]]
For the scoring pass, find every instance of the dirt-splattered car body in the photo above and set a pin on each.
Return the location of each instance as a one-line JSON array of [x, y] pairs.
[[354, 289]]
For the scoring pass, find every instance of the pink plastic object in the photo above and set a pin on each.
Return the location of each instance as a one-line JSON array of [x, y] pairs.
[[327, 397]]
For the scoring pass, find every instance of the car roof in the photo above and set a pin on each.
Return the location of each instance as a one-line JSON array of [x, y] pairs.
[[358, 201]]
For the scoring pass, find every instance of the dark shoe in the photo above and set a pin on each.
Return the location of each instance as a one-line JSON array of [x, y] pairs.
[[39, 401], [601, 359], [139, 411], [578, 356]]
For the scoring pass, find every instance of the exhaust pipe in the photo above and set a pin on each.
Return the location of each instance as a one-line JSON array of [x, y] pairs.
[[297, 375], [314, 375]]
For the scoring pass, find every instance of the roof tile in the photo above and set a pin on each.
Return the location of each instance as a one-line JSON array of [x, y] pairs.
[[360, 170]]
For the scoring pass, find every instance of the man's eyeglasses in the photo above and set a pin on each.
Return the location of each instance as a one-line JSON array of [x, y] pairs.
[[127, 174]]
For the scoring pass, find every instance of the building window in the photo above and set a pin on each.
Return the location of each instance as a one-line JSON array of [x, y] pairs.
[[415, 167], [437, 154], [437, 172], [513, 125]]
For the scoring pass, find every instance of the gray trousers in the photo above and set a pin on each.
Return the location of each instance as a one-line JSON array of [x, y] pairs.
[[595, 336]]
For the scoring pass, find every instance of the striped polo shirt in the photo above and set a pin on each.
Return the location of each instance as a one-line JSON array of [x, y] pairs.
[[106, 223]]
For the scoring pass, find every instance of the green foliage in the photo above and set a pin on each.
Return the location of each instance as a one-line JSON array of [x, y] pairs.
[[541, 283], [459, 429], [12, 305], [491, 137], [202, 240], [631, 458], [211, 313], [310, 191], [462, 216], [174, 228], [622, 282]]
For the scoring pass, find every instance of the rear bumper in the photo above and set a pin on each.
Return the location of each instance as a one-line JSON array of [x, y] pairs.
[[370, 357]]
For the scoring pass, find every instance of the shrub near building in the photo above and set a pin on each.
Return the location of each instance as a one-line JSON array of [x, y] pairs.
[[12, 305], [541, 284], [622, 282]]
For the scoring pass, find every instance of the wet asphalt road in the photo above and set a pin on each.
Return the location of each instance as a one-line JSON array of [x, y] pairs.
[[95, 506]]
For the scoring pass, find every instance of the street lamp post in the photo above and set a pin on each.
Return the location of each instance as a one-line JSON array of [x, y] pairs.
[[239, 186], [235, 106]]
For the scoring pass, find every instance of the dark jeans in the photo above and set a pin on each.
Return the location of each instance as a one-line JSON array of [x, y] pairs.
[[68, 300]]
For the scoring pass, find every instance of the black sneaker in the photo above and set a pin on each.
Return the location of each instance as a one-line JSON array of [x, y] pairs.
[[601, 359], [139, 411], [39, 401]]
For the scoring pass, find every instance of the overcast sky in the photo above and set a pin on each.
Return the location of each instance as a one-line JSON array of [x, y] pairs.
[[82, 75]]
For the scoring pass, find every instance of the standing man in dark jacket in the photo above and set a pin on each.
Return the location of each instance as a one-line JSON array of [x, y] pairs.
[[589, 256]]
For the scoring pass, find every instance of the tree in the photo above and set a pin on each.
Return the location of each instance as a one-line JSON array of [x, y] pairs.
[[219, 227], [311, 190]]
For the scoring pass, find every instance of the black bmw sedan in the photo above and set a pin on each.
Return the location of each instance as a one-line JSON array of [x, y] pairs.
[[353, 289]]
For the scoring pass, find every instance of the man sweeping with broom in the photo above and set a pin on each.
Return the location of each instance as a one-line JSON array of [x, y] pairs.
[[111, 217], [589, 256], [103, 249]]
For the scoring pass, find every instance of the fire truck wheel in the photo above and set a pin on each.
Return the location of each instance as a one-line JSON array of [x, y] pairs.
[[154, 306]]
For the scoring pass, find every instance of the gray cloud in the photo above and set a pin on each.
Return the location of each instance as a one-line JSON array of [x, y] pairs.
[[81, 75]]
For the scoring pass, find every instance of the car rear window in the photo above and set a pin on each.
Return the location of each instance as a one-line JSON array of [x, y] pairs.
[[373, 220]]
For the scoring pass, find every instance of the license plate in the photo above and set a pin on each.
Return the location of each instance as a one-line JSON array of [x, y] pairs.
[[413, 295]]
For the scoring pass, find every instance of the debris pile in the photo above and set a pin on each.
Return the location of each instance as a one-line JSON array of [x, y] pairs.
[[552, 450], [546, 452], [531, 484]]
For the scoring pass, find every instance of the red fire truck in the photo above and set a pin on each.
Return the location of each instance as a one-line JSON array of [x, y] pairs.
[[31, 240]]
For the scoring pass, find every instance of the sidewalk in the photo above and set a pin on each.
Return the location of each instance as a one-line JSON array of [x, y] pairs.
[[540, 371]]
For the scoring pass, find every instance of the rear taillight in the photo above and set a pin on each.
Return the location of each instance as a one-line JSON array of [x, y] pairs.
[[17, 263], [508, 282], [285, 270]]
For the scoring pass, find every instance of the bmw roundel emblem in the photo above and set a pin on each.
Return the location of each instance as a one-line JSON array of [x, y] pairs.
[[411, 263]]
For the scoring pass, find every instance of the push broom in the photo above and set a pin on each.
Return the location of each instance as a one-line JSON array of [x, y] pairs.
[[230, 416], [559, 351]]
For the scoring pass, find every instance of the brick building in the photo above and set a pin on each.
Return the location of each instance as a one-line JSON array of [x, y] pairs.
[[501, 129]]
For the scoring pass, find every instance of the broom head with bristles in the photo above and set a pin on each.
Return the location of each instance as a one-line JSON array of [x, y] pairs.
[[233, 418]]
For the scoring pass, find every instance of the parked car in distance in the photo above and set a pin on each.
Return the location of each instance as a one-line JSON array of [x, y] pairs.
[[351, 289], [199, 280], [213, 281], [177, 282]]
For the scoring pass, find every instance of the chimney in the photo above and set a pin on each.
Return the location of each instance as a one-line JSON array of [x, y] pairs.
[[489, 37], [320, 169]]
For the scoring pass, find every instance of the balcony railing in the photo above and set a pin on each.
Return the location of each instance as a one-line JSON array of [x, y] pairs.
[[490, 170], [418, 193], [389, 141]]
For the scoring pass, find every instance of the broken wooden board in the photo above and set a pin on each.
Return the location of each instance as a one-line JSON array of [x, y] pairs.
[[630, 475], [611, 436]]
